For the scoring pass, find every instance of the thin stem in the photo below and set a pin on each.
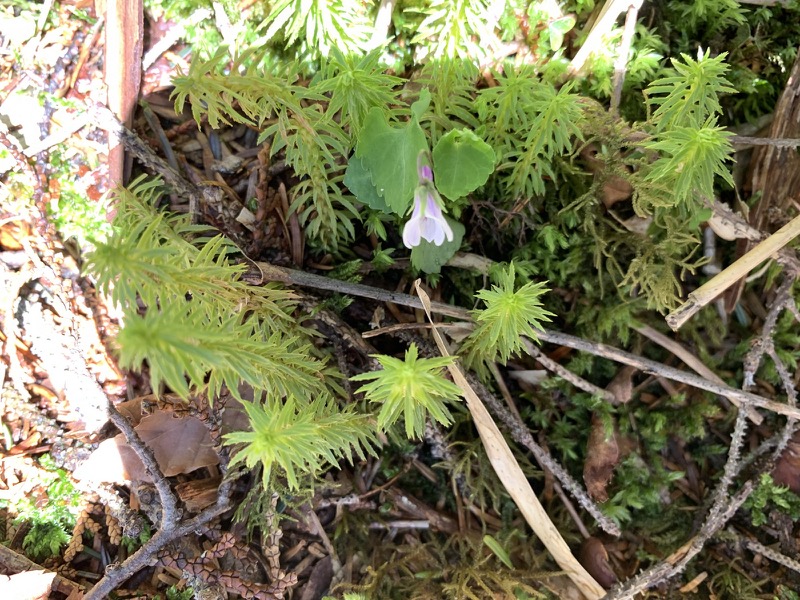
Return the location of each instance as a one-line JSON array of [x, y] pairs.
[[270, 272], [623, 52], [169, 502], [117, 574]]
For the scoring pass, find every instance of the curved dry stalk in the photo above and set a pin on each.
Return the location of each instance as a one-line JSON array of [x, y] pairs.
[[520, 433], [512, 477]]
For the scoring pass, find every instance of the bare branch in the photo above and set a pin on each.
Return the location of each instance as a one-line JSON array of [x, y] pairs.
[[677, 561], [117, 574], [169, 502]]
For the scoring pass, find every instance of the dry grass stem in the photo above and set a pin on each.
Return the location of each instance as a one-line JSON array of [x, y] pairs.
[[710, 290], [514, 480]]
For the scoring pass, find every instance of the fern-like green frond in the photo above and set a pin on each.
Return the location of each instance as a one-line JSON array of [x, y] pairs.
[[191, 354], [312, 141], [553, 128], [454, 28], [127, 267], [210, 93], [204, 327], [411, 388], [715, 15], [323, 25], [452, 87], [554, 119], [356, 85], [691, 157], [691, 96], [508, 316], [503, 109], [242, 93], [143, 264], [298, 437]]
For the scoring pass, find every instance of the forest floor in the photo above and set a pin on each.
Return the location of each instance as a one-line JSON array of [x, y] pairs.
[[401, 524]]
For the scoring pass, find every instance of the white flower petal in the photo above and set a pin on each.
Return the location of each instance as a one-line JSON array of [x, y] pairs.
[[411, 234], [427, 220], [448, 232], [429, 229], [432, 208], [415, 214]]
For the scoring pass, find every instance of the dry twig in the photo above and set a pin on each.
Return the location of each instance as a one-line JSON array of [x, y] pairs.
[[169, 502], [773, 555], [521, 434], [765, 344], [171, 528], [691, 360], [144, 556], [721, 511], [677, 561], [603, 25], [567, 375], [621, 62], [716, 285], [748, 400]]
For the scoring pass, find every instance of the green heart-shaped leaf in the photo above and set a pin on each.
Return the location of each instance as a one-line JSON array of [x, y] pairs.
[[558, 29], [390, 155], [462, 163], [359, 181], [430, 258]]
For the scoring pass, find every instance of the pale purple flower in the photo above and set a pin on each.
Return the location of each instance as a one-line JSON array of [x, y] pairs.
[[424, 172], [427, 220]]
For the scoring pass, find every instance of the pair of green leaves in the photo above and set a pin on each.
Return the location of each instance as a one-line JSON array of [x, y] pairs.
[[382, 173]]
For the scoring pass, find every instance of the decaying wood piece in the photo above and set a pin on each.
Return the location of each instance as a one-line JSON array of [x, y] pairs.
[[774, 173], [123, 70], [775, 170], [13, 562]]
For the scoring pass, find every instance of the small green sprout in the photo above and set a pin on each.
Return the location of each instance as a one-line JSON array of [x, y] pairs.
[[412, 387]]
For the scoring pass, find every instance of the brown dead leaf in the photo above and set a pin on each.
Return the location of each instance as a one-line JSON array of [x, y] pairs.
[[180, 445], [787, 467], [635, 224], [622, 384], [12, 232], [234, 418], [602, 457], [594, 558], [614, 188], [131, 410]]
